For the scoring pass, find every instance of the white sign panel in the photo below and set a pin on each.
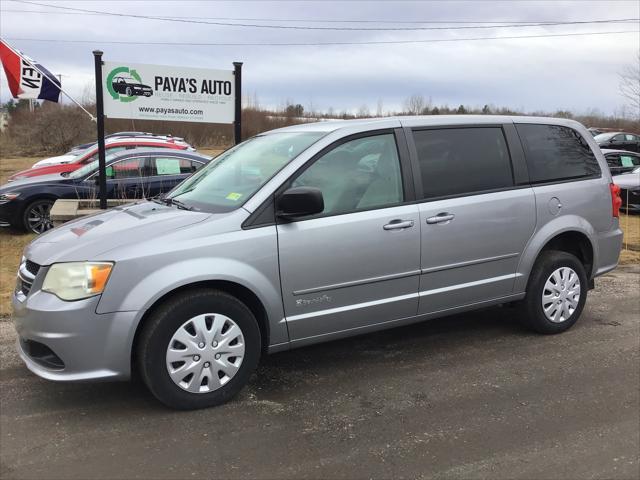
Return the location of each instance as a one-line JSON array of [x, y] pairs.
[[159, 92]]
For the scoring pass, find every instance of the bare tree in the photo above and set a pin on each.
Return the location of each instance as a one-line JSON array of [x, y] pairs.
[[379, 108], [414, 105], [363, 111], [630, 85]]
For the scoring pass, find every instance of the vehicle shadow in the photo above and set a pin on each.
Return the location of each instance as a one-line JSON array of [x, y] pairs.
[[281, 376]]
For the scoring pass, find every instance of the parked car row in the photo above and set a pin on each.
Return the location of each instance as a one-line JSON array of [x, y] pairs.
[[619, 141], [139, 165], [131, 174], [625, 170]]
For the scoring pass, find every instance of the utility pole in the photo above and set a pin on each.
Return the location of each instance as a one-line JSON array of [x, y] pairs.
[[237, 124], [102, 177]]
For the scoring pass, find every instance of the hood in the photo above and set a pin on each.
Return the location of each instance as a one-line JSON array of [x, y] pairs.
[[89, 237], [47, 169], [55, 160], [40, 179]]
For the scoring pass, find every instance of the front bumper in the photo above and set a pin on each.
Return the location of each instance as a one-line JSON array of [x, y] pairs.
[[10, 213], [90, 346], [609, 247]]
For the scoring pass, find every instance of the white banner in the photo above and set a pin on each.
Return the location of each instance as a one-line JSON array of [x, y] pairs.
[[159, 92]]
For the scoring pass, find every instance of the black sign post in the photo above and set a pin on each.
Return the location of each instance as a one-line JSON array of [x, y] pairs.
[[102, 177], [237, 123]]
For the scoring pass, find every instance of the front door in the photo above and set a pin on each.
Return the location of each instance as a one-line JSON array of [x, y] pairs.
[[357, 263], [127, 179]]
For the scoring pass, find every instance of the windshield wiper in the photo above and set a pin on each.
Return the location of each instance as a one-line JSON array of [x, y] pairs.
[[164, 200], [178, 203]]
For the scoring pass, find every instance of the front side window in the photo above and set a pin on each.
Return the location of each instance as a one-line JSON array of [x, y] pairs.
[[131, 168], [357, 175], [458, 161], [234, 176], [613, 161], [556, 153]]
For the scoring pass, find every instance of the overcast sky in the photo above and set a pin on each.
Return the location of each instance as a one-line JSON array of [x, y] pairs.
[[576, 72]]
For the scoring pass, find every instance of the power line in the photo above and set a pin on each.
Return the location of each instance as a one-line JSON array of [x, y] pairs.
[[300, 27], [307, 20], [312, 44]]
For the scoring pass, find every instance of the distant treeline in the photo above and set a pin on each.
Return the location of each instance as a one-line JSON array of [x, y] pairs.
[[53, 129]]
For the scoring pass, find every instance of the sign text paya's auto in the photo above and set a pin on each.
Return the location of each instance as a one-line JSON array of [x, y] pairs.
[[154, 92], [209, 87]]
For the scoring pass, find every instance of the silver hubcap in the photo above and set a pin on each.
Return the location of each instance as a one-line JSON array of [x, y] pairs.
[[205, 353], [39, 218], [561, 295]]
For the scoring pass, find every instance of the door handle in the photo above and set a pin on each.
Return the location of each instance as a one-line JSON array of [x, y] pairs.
[[441, 218], [398, 224]]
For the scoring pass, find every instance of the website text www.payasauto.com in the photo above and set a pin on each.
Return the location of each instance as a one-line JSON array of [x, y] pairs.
[[170, 111]]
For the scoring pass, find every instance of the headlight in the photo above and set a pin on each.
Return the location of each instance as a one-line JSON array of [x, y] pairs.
[[7, 197], [77, 280]]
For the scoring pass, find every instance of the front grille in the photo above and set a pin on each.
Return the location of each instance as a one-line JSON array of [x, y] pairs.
[[41, 354], [26, 276], [32, 267]]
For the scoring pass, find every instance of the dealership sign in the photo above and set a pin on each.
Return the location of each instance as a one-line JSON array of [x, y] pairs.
[[159, 92]]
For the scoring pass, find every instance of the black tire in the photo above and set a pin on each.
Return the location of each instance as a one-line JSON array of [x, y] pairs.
[[167, 319], [531, 312], [128, 92], [37, 208]]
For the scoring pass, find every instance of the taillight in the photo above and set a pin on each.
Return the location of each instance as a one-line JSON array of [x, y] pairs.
[[616, 200]]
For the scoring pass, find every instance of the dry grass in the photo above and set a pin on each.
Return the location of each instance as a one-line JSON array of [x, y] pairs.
[[630, 225], [11, 246], [11, 165]]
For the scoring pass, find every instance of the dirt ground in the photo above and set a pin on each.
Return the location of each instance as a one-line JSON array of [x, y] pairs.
[[469, 396]]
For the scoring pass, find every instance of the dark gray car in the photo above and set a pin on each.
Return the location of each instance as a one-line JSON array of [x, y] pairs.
[[316, 232]]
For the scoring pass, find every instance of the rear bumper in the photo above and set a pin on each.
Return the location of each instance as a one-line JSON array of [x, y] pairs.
[[85, 345], [609, 247]]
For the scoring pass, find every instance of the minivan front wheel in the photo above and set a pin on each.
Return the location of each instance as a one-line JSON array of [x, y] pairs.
[[556, 293], [198, 349]]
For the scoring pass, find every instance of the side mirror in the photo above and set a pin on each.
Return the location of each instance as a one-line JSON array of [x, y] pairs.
[[299, 202]]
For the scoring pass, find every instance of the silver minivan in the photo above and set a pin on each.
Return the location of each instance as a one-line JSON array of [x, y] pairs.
[[316, 232]]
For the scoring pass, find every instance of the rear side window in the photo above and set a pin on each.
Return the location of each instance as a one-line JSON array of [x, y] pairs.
[[173, 166], [556, 153], [456, 161]]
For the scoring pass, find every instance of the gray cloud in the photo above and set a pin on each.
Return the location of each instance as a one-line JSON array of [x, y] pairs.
[[574, 73]]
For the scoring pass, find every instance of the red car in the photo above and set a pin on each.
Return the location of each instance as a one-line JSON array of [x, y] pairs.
[[91, 154]]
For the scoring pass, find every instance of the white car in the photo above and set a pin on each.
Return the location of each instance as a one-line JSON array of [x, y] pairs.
[[73, 155], [629, 184], [66, 158]]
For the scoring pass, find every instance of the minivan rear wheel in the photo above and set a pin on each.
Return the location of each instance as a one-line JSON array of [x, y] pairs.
[[556, 293], [198, 349]]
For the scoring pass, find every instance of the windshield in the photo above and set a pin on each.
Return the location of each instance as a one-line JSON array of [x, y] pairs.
[[233, 177], [603, 137], [81, 172], [90, 167]]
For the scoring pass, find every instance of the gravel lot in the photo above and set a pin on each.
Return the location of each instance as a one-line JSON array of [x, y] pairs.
[[470, 396]]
